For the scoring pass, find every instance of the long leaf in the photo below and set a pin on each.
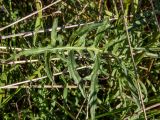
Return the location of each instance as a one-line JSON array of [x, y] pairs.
[[38, 23], [101, 31], [54, 32], [48, 67], [74, 73], [93, 88]]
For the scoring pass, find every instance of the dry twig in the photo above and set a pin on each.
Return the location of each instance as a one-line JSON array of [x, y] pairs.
[[31, 33], [36, 79]]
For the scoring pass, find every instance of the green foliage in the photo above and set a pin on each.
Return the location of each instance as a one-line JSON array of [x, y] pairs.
[[38, 23], [82, 72]]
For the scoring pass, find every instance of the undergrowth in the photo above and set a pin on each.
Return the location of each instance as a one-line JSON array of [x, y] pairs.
[[77, 59]]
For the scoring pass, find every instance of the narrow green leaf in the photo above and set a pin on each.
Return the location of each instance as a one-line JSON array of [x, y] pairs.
[[144, 90], [153, 40], [38, 23], [48, 67], [48, 54], [101, 31], [65, 93], [73, 72], [152, 55], [81, 41], [37, 72], [54, 32], [81, 31], [135, 5], [93, 89], [49, 49], [6, 100], [3, 80]]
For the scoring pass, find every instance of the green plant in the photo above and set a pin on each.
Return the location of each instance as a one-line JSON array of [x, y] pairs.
[[103, 64]]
